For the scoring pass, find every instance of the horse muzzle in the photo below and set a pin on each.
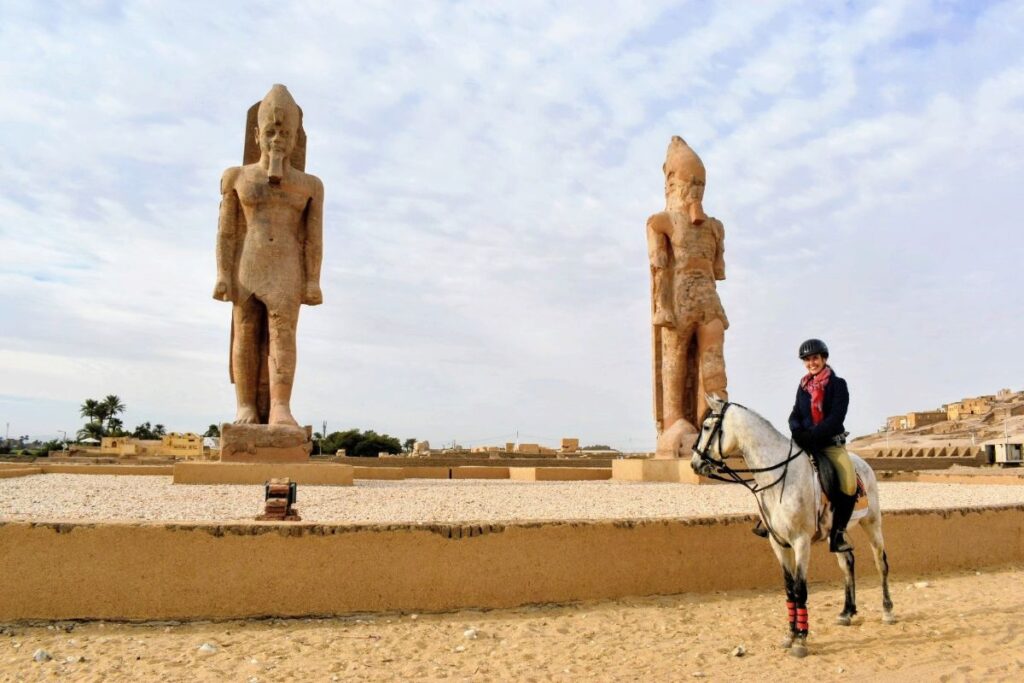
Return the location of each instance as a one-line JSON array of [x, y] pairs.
[[698, 465]]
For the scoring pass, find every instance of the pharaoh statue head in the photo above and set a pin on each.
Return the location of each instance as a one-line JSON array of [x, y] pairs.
[[277, 125], [684, 180]]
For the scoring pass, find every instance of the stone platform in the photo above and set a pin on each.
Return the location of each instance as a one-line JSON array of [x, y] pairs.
[[322, 474], [265, 443]]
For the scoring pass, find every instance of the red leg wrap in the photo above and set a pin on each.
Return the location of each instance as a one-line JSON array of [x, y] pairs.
[[801, 619]]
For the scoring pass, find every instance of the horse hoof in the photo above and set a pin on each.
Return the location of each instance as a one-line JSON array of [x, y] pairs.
[[888, 618], [843, 620], [787, 642], [799, 651]]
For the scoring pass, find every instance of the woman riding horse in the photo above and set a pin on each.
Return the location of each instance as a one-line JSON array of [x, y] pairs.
[[817, 427]]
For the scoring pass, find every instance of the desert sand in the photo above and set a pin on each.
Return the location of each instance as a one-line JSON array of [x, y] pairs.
[[952, 627]]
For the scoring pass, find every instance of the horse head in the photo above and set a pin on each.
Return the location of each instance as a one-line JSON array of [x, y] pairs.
[[715, 442]]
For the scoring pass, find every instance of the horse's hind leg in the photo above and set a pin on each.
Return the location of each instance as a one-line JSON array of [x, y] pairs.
[[850, 606], [874, 530]]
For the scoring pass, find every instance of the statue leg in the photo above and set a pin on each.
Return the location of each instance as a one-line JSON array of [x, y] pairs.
[[673, 375], [677, 432], [710, 343], [248, 319], [282, 321]]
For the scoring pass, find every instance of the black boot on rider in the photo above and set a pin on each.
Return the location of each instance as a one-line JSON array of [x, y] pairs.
[[760, 530], [842, 509]]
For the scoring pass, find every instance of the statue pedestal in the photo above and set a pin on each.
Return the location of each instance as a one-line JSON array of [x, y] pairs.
[[265, 443], [675, 471]]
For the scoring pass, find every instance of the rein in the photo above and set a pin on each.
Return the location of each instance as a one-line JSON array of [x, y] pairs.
[[733, 475]]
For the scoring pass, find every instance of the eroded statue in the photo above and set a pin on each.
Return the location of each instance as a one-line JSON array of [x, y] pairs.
[[686, 250], [269, 249]]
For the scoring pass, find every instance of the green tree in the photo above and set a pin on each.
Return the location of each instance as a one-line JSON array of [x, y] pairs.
[[159, 430], [90, 408], [366, 444], [212, 430], [144, 431], [111, 407], [115, 427], [408, 444], [91, 430]]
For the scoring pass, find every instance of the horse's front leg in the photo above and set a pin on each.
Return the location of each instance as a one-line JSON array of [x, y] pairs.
[[788, 562], [801, 558]]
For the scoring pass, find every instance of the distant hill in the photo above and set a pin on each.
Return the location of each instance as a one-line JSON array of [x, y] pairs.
[[1005, 417]]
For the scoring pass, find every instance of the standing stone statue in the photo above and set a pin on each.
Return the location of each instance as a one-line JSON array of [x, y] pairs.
[[686, 250], [269, 248]]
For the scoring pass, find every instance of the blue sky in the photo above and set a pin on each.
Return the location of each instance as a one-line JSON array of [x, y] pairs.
[[488, 170]]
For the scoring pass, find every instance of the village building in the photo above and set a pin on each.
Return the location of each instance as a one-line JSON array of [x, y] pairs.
[[173, 445], [969, 406]]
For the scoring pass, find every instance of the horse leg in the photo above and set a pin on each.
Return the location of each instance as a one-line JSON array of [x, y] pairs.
[[785, 557], [874, 530], [850, 606], [801, 557]]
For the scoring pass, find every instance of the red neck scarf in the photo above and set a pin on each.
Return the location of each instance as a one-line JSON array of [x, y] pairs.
[[815, 386]]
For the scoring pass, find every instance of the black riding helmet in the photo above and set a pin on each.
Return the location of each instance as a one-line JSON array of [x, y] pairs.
[[811, 347]]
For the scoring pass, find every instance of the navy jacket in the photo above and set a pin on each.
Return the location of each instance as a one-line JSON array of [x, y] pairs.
[[834, 406]]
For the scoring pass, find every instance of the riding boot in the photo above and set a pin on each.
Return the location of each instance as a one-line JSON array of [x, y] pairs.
[[760, 530], [842, 509]]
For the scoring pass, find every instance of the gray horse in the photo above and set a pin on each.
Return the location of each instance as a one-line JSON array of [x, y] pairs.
[[792, 505]]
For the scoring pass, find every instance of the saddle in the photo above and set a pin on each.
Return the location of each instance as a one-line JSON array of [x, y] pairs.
[[829, 480]]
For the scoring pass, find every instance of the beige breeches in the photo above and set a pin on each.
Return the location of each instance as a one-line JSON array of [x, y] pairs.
[[844, 469]]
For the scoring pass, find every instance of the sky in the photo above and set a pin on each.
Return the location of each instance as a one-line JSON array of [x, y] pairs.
[[489, 169]]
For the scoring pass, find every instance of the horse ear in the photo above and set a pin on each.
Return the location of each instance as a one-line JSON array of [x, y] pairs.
[[714, 401]]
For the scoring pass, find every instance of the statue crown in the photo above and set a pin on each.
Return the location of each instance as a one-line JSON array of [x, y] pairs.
[[681, 158]]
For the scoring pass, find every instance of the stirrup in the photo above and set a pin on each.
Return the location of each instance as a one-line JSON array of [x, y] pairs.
[[760, 530]]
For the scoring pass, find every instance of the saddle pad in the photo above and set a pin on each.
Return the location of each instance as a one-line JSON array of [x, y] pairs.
[[862, 497]]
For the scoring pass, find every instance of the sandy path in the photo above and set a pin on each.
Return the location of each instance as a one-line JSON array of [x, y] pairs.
[[952, 627]]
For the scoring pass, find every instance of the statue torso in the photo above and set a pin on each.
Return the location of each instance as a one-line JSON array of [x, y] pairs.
[[270, 261]]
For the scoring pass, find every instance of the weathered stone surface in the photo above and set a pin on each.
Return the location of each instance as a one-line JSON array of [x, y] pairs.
[[686, 253], [265, 443], [269, 250]]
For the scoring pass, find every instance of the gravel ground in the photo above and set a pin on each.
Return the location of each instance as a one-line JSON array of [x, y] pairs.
[[79, 497]]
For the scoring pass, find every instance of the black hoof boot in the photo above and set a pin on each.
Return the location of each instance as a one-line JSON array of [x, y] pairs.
[[837, 543], [760, 530]]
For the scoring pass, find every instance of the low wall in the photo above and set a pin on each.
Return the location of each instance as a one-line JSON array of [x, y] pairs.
[[148, 571], [456, 461], [559, 473], [134, 470], [307, 474], [18, 471]]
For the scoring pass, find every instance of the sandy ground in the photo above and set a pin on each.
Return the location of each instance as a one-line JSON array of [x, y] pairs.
[[955, 627], [109, 497]]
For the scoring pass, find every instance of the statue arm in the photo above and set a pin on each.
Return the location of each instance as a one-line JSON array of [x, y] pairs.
[[227, 236], [719, 264], [313, 249], [657, 240]]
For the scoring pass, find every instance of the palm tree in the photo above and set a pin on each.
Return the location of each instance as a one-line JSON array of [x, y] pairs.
[[112, 405], [89, 409], [159, 430], [90, 430], [115, 427]]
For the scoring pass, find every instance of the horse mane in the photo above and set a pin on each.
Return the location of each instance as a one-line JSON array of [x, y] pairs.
[[762, 421]]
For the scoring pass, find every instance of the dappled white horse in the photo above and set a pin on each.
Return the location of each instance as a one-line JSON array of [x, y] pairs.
[[789, 497]]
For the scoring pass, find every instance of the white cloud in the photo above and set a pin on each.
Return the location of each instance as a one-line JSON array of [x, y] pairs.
[[488, 173]]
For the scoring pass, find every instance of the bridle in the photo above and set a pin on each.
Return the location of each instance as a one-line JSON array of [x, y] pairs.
[[722, 471]]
